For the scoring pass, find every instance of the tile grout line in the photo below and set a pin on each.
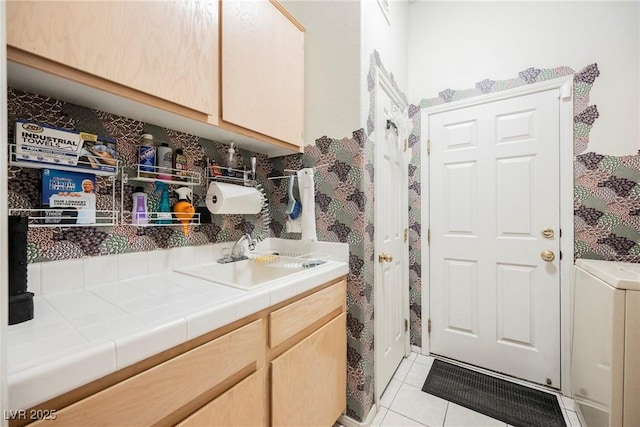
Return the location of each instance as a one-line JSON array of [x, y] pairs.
[[446, 411], [404, 416]]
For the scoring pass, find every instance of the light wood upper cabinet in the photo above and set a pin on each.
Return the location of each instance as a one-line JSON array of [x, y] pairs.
[[167, 49], [262, 69], [229, 70]]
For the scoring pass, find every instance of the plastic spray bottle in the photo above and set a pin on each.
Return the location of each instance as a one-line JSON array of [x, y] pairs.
[[183, 209], [164, 208]]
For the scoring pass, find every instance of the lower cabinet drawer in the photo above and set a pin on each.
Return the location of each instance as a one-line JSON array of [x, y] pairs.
[[241, 405], [150, 396], [294, 318]]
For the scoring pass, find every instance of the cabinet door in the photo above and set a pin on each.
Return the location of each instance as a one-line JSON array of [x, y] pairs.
[[241, 405], [308, 382], [262, 69], [168, 49]]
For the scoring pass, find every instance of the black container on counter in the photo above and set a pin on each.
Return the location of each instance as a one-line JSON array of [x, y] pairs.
[[20, 301]]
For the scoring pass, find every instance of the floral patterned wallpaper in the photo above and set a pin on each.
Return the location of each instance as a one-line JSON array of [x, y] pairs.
[[607, 188], [415, 224], [49, 244]]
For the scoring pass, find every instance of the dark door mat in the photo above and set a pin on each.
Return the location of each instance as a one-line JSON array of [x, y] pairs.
[[512, 403]]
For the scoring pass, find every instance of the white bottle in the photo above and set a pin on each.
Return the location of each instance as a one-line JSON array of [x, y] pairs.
[[165, 162], [139, 214]]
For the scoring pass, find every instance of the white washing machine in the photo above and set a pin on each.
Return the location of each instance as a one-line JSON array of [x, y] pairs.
[[605, 350]]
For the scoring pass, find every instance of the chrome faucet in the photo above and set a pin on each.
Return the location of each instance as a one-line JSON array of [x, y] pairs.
[[250, 242], [233, 255]]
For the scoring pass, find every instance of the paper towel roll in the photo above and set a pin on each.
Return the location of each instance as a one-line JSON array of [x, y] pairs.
[[223, 198]]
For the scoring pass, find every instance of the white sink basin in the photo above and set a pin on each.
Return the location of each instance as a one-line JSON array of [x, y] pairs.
[[246, 274]]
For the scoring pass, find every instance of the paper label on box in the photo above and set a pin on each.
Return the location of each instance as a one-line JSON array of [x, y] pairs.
[[39, 143], [47, 144], [73, 190]]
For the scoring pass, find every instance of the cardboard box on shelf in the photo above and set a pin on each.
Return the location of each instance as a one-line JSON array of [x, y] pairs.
[[70, 193], [41, 143]]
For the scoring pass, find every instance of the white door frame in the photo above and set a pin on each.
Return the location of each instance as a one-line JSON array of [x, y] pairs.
[[565, 86], [381, 80]]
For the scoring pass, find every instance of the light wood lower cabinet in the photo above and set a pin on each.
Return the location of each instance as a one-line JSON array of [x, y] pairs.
[[153, 395], [293, 319], [242, 405], [233, 376], [308, 382]]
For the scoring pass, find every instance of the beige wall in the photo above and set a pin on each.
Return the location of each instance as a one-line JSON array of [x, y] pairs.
[[332, 66]]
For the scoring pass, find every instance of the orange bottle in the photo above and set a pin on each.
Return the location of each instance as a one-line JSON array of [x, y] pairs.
[[183, 209]]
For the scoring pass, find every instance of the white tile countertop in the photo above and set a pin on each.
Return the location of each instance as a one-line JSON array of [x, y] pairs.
[[94, 316]]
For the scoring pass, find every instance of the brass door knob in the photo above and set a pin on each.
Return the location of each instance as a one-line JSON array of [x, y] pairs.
[[547, 256], [385, 257]]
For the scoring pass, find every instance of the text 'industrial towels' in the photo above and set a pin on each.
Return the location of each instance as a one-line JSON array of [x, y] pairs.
[[307, 196]]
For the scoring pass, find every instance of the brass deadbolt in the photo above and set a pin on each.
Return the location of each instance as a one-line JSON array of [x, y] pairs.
[[547, 233]]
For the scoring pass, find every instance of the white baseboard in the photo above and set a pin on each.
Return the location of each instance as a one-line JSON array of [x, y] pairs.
[[416, 349], [350, 422]]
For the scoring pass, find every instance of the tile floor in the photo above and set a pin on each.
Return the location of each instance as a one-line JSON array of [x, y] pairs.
[[405, 404]]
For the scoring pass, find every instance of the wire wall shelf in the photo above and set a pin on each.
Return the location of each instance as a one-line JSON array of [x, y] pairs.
[[167, 175], [158, 219], [67, 217]]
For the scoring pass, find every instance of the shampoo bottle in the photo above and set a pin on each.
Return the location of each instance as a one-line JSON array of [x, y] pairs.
[[139, 214], [165, 162]]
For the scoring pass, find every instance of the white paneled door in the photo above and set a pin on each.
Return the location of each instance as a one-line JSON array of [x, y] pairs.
[[494, 218], [391, 255]]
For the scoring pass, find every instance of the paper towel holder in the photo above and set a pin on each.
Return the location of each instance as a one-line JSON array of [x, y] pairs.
[[234, 199]]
